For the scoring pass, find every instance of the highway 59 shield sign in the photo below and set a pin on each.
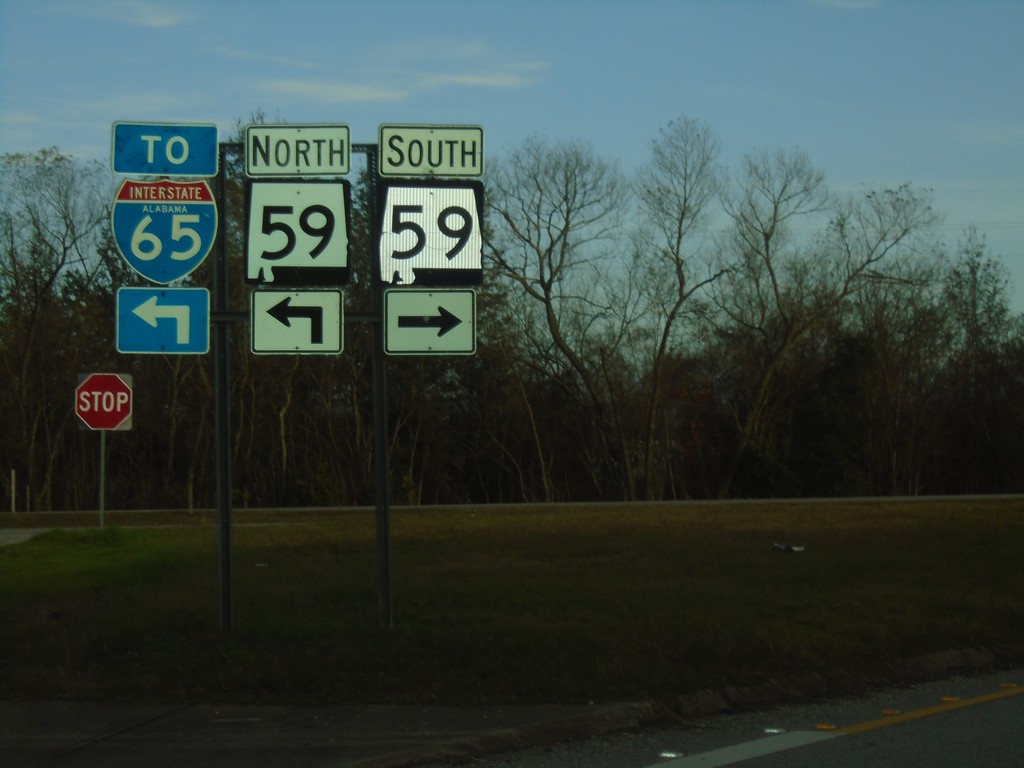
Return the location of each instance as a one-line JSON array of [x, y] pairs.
[[164, 229], [430, 232], [298, 233]]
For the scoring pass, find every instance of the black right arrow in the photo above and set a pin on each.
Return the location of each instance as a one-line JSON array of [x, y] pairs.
[[283, 312], [444, 321]]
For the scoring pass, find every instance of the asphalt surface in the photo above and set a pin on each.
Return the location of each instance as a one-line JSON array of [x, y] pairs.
[[971, 721], [80, 734], [17, 535]]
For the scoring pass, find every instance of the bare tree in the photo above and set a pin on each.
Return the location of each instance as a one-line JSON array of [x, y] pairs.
[[795, 256], [52, 215], [677, 189], [982, 377], [557, 212]]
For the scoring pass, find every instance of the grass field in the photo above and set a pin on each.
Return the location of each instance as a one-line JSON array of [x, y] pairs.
[[499, 604]]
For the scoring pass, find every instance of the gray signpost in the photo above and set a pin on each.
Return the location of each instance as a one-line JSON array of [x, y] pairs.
[[428, 212], [103, 402]]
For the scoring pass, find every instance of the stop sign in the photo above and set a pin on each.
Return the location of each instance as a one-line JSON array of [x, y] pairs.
[[104, 400]]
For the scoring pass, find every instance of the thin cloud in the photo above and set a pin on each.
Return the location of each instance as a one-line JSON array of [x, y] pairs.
[[433, 64], [848, 5], [135, 106], [412, 82], [279, 61], [332, 93], [135, 13], [431, 50], [474, 80], [13, 119], [997, 133]]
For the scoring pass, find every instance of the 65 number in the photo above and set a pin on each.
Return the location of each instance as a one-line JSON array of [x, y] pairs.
[[146, 246], [460, 230]]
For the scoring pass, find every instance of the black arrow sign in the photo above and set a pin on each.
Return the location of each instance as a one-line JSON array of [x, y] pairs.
[[283, 312], [444, 321]]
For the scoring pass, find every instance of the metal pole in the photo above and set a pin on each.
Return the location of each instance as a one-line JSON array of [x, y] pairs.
[[381, 469], [222, 405], [381, 461], [103, 473]]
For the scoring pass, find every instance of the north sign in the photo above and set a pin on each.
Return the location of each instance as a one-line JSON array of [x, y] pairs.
[[431, 150], [164, 229], [165, 149], [420, 322], [298, 232], [104, 401], [169, 321], [429, 232], [297, 150], [296, 322]]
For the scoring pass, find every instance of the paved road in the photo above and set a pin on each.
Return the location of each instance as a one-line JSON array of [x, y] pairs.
[[17, 535], [79, 734], [980, 735], [930, 732]]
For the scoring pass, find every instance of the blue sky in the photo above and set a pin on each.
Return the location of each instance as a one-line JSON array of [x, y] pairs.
[[877, 92]]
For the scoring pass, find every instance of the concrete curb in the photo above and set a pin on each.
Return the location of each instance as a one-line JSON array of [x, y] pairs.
[[838, 682], [605, 718], [616, 718]]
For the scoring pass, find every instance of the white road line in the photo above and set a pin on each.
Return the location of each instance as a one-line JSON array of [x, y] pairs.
[[748, 750]]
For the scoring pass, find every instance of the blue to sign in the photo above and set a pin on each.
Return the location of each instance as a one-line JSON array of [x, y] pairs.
[[164, 229], [170, 321], [172, 149]]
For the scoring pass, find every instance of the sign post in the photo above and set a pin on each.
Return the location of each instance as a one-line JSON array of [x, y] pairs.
[[103, 402], [428, 209], [164, 230], [425, 198]]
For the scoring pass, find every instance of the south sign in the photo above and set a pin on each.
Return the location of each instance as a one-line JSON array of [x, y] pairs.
[[431, 150], [164, 229]]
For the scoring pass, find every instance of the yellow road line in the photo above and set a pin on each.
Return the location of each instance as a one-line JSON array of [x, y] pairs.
[[948, 706]]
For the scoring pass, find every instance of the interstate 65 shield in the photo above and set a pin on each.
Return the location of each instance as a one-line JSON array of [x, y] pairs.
[[164, 229]]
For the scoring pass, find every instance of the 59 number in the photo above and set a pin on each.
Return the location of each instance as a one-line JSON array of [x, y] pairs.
[[315, 220], [454, 222]]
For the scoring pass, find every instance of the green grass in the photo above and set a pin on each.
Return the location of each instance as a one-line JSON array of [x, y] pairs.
[[531, 603]]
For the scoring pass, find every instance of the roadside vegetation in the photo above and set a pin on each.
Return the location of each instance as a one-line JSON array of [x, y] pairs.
[[681, 331], [512, 603]]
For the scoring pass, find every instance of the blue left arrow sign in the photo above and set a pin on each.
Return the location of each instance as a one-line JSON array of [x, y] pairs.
[[165, 149], [169, 321]]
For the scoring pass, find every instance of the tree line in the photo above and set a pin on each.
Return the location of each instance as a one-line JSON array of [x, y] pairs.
[[684, 331]]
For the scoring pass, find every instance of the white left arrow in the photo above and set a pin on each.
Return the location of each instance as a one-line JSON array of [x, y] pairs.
[[150, 311]]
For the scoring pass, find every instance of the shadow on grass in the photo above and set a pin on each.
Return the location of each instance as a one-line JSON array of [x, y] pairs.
[[514, 604]]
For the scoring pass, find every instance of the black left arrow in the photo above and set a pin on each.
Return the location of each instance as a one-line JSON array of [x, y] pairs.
[[444, 321], [284, 312]]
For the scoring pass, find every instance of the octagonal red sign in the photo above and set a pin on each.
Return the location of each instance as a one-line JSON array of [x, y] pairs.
[[104, 401]]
